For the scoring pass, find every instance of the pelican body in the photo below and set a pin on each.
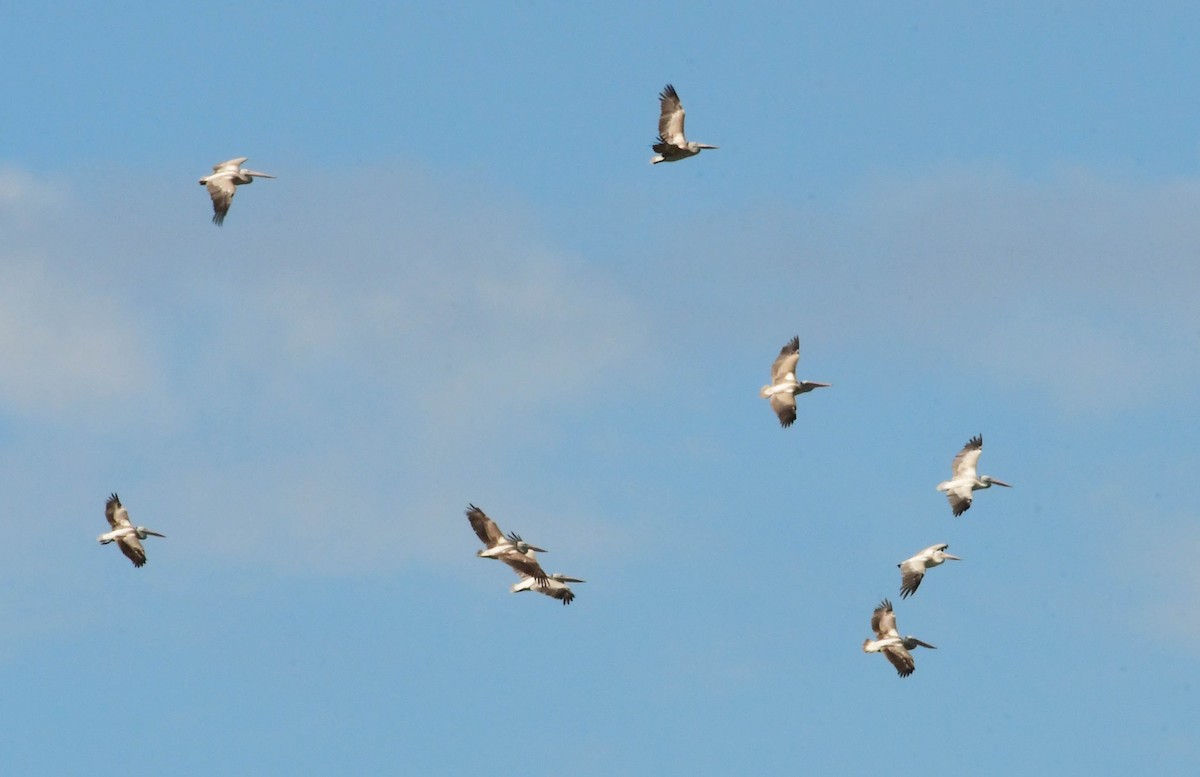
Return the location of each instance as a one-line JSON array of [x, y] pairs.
[[510, 549], [889, 642], [912, 570], [672, 145], [222, 184], [124, 533], [555, 586], [961, 487], [784, 388]]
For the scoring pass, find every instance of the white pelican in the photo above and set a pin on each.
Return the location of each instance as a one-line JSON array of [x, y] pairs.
[[889, 642], [512, 550], [913, 569], [672, 145], [555, 586], [959, 488], [221, 183], [784, 387], [125, 533]]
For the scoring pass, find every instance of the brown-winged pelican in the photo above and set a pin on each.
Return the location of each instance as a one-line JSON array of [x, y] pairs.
[[221, 185], [964, 481], [554, 586], [913, 569], [512, 550], [889, 642], [672, 145], [784, 387], [124, 533]]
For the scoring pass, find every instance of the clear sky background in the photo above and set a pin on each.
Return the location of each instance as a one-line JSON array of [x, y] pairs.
[[467, 284]]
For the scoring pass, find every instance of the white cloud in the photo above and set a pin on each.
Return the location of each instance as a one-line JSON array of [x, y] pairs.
[[68, 350], [23, 195], [1076, 287], [343, 374]]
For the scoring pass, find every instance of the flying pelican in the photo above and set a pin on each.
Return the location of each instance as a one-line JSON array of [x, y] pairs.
[[889, 642], [512, 550], [221, 183], [964, 481], [672, 145], [913, 569], [784, 387], [555, 585], [125, 533]]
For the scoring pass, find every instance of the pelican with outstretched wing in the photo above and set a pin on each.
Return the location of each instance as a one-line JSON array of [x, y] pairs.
[[222, 184], [784, 388], [510, 549], [912, 570], [124, 533], [672, 145], [554, 586], [889, 642], [961, 487]]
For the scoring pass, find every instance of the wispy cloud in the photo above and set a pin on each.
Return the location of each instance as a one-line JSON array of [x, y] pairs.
[[70, 351], [1051, 285], [338, 394]]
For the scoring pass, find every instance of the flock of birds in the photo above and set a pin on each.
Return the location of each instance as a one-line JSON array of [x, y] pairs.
[[671, 146], [960, 490]]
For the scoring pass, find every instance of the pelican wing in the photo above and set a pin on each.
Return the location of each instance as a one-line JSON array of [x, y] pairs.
[[911, 574], [231, 164], [116, 514], [489, 533], [563, 594], [785, 363], [525, 565], [221, 188], [670, 118], [133, 549], [883, 621], [901, 659], [967, 458], [784, 406], [960, 498]]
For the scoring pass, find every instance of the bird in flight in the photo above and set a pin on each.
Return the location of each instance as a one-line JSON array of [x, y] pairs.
[[125, 534], [913, 570], [672, 145], [222, 184], [784, 387], [889, 642], [961, 486]]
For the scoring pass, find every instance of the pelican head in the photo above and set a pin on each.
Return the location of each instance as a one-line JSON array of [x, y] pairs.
[[988, 481], [522, 545], [698, 146], [943, 555], [911, 642], [143, 532]]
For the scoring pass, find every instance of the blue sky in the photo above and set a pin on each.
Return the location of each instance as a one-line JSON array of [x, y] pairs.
[[467, 284]]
